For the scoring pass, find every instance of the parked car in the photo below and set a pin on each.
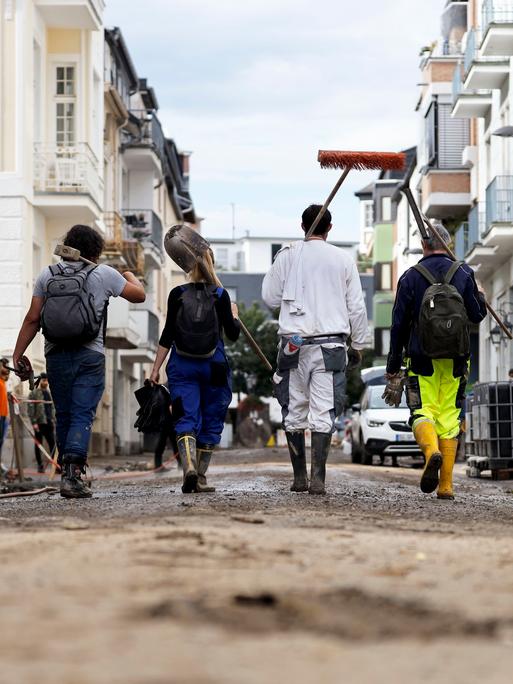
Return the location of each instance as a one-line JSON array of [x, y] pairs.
[[381, 430]]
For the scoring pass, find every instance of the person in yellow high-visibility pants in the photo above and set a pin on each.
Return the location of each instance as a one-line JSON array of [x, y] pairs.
[[435, 383]]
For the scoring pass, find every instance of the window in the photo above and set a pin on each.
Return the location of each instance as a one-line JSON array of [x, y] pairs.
[[275, 248], [221, 257], [65, 106], [368, 214], [386, 208], [386, 277], [241, 261], [232, 292]]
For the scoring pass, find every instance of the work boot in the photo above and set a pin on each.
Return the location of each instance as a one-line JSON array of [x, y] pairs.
[[72, 485], [427, 439], [297, 451], [187, 450], [319, 453], [204, 453], [449, 449]]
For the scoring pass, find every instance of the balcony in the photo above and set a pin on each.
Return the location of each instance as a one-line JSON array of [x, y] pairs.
[[469, 104], [122, 251], [122, 330], [145, 226], [482, 72], [147, 325], [445, 193], [497, 28], [77, 14], [143, 142], [477, 255], [66, 179], [499, 217], [461, 241]]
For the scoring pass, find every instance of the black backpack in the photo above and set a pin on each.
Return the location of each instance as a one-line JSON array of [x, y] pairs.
[[197, 324], [443, 325], [69, 318]]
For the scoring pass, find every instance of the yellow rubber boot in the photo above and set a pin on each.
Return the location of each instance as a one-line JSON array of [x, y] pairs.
[[449, 449], [427, 439]]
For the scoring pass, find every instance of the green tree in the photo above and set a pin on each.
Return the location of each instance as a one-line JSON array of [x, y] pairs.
[[249, 374]]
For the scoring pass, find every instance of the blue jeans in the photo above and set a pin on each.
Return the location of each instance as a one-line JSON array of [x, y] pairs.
[[201, 391], [4, 424], [77, 381]]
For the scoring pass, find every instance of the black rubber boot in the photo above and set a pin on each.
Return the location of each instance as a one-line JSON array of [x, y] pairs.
[[204, 453], [72, 485], [297, 451], [321, 442], [187, 450]]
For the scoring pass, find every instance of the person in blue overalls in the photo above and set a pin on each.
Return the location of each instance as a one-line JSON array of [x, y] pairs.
[[199, 377]]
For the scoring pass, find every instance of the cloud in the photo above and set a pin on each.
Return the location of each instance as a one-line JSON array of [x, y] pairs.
[[255, 88]]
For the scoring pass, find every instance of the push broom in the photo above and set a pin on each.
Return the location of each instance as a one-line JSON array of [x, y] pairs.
[[359, 161]]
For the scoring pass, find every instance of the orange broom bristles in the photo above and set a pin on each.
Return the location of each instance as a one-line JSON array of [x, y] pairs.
[[377, 161]]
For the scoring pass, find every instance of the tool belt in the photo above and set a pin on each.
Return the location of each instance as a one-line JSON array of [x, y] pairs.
[[323, 339]]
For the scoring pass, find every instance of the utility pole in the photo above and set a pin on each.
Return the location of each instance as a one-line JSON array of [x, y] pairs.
[[233, 219]]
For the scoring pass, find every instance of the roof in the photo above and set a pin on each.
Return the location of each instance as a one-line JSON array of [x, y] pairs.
[[366, 191], [115, 39]]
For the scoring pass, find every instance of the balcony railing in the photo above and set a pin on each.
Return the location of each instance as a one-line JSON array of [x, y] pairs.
[[70, 169], [457, 83], [122, 250], [476, 225], [497, 12], [471, 50], [499, 201], [144, 225], [461, 241], [150, 132]]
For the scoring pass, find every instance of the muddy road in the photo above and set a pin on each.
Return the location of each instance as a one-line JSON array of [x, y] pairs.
[[373, 583]]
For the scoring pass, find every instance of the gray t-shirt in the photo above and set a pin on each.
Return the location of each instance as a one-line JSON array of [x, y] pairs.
[[104, 282]]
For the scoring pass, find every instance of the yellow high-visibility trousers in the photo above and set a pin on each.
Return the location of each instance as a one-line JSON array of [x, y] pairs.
[[440, 398]]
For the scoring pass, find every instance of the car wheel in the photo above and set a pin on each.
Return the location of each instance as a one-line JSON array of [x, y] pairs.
[[367, 457], [356, 452]]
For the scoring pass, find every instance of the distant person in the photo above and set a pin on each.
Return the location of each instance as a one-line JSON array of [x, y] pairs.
[[42, 416], [70, 305], [199, 377], [510, 374], [317, 288], [4, 406]]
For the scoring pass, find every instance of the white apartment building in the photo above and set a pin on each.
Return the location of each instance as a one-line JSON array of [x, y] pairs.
[[81, 142], [483, 96]]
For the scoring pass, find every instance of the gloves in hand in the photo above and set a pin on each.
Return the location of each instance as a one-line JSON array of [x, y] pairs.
[[354, 359], [394, 388]]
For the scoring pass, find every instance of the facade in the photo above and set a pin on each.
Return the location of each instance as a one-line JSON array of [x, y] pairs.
[[81, 142], [483, 97]]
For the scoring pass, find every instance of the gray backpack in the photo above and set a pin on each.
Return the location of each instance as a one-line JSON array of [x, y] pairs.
[[69, 318], [443, 325]]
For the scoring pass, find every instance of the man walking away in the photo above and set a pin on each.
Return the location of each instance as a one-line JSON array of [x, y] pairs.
[[318, 290], [435, 301], [41, 412], [69, 303], [4, 407]]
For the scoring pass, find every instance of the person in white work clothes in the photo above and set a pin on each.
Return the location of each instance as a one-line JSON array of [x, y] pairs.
[[318, 290]]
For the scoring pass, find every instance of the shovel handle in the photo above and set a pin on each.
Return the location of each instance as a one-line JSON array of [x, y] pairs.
[[208, 269], [423, 223]]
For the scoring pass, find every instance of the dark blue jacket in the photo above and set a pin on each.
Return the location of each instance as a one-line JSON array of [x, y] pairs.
[[410, 291]]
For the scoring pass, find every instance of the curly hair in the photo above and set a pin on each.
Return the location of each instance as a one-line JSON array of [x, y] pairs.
[[87, 240]]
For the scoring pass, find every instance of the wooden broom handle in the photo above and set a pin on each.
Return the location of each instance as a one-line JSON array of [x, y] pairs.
[[208, 268], [327, 203]]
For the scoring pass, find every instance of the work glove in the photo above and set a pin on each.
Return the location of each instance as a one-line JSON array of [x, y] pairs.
[[394, 388], [354, 359]]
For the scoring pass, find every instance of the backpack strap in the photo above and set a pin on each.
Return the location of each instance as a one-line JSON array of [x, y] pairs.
[[426, 273], [452, 271]]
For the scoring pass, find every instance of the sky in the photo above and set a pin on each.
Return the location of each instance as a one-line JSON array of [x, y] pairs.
[[254, 88]]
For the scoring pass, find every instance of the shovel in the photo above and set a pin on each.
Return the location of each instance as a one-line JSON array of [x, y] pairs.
[[186, 248]]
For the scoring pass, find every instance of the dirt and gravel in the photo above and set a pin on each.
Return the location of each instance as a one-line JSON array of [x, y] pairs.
[[373, 583]]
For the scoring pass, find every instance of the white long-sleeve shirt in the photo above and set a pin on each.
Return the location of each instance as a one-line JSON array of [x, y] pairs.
[[329, 297]]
